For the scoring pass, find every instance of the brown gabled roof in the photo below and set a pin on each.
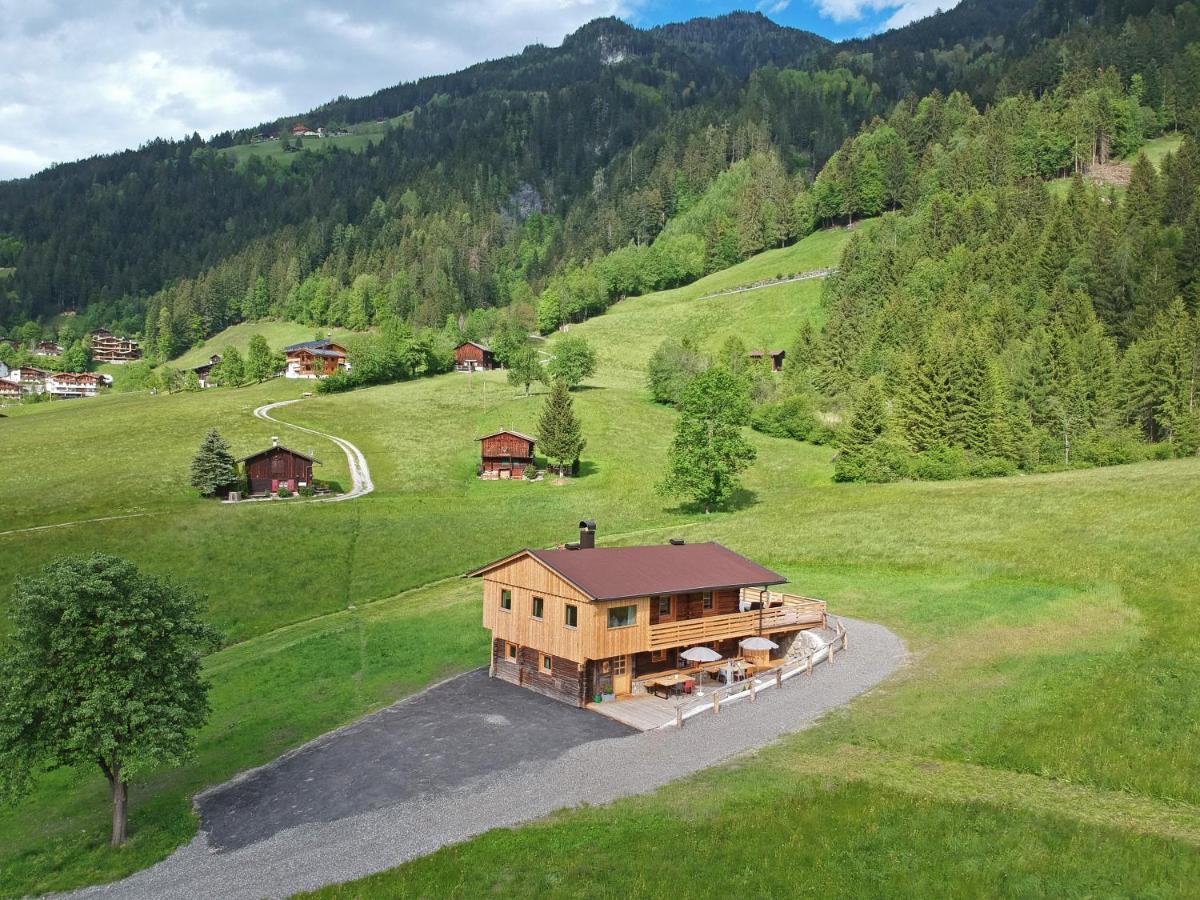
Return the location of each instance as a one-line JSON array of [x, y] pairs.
[[484, 347], [312, 459], [619, 573], [523, 437]]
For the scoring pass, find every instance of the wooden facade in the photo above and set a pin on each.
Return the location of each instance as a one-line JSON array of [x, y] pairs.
[[505, 454], [314, 359], [592, 646], [471, 355], [108, 347], [269, 470], [775, 356]]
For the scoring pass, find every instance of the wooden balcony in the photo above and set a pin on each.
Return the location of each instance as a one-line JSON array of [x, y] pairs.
[[776, 612]]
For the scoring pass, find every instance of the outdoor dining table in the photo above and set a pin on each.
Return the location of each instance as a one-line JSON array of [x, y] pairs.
[[667, 683]]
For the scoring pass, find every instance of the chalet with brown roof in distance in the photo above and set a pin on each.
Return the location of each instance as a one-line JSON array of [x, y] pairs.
[[47, 348], [68, 385], [776, 357], [315, 359], [582, 620], [505, 454], [278, 466], [108, 348], [471, 355], [9, 390], [205, 369], [31, 380]]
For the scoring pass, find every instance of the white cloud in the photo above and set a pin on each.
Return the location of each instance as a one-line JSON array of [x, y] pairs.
[[904, 11], [91, 77]]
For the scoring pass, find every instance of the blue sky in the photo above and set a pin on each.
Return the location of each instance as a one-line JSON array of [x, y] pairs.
[[82, 77], [835, 19]]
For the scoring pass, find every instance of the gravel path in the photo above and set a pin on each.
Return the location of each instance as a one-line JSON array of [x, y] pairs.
[[360, 473], [600, 771]]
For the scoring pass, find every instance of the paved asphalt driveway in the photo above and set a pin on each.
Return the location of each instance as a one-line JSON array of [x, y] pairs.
[[462, 730]]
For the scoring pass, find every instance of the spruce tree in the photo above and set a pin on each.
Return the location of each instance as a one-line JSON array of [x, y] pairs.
[[709, 452], [560, 435], [213, 466]]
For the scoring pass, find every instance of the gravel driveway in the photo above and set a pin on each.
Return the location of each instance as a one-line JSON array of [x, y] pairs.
[[283, 835]]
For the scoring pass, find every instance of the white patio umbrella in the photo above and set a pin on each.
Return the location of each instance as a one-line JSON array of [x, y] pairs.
[[758, 643], [700, 655]]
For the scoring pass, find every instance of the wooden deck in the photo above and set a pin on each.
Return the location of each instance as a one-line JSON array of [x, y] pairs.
[[791, 614], [644, 712]]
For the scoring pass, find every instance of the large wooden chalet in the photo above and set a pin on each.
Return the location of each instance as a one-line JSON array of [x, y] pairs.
[[505, 454], [582, 620], [109, 348], [471, 355], [278, 466], [314, 359]]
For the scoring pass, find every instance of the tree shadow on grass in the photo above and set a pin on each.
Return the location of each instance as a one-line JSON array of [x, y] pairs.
[[743, 499]]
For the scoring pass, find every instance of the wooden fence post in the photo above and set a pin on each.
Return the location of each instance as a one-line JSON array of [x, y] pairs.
[[679, 717], [779, 677], [845, 639], [810, 656], [716, 703], [753, 691]]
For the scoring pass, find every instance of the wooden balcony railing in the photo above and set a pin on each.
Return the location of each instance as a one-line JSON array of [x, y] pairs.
[[790, 613]]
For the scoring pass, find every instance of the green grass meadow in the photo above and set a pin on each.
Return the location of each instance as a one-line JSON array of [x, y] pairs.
[[1040, 741]]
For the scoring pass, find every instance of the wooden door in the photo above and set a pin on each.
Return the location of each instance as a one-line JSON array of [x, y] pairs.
[[622, 676]]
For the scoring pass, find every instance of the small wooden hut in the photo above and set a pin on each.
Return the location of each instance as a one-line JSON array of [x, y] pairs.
[[505, 454], [471, 355], [278, 466]]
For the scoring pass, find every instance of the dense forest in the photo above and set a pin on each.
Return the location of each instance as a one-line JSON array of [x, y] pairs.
[[600, 141], [984, 323]]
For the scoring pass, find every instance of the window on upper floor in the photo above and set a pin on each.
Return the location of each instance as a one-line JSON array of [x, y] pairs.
[[664, 605], [571, 617], [506, 600], [539, 607], [622, 616], [708, 600]]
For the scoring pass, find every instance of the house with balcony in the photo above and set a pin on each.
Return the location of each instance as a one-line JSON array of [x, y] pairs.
[[581, 621]]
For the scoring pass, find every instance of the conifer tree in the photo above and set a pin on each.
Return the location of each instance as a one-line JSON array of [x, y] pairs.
[[1143, 200], [560, 435], [709, 452], [213, 466]]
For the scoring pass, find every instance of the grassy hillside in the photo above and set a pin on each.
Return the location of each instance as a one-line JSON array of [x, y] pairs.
[[278, 334], [360, 137], [1054, 681], [1155, 151]]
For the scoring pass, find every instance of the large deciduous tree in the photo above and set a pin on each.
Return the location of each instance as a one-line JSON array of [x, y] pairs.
[[574, 360], [709, 451], [102, 668], [524, 368], [261, 363]]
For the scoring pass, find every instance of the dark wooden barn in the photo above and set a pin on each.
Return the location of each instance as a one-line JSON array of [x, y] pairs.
[[776, 357], [505, 454], [276, 467], [470, 355]]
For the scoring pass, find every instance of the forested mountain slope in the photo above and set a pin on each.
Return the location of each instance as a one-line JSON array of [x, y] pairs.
[[563, 178]]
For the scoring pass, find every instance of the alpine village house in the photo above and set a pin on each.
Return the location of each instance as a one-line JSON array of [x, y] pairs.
[[314, 359], [580, 621]]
